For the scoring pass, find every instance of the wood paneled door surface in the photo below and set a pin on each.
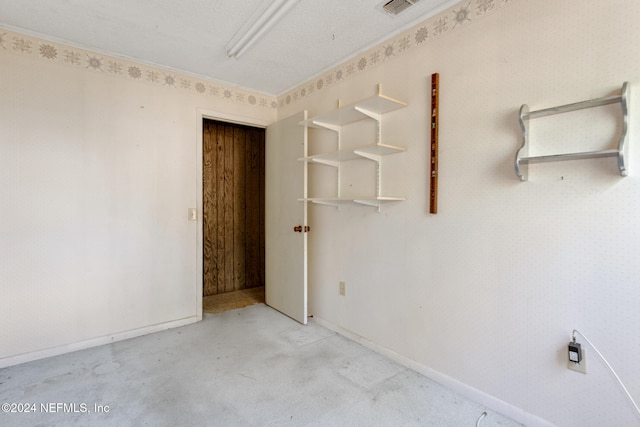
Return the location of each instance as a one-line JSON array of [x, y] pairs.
[[233, 207]]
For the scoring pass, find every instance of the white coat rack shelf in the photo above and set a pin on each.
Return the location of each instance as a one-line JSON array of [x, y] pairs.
[[621, 152]]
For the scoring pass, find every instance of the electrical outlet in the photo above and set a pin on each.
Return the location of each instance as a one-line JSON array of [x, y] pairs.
[[579, 367], [343, 287]]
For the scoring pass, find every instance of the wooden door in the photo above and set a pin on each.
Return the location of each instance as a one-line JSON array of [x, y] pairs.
[[233, 207], [286, 249]]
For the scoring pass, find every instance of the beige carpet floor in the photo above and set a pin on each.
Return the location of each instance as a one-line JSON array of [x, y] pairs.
[[231, 300], [250, 367]]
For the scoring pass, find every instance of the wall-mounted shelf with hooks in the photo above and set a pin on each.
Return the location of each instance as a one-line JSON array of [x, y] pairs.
[[370, 108], [523, 159]]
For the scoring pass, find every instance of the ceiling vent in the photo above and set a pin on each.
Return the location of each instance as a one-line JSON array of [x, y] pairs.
[[394, 7]]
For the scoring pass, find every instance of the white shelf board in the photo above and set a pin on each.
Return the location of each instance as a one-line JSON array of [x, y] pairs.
[[381, 104], [570, 156], [378, 104], [379, 149], [365, 200], [347, 154], [333, 157], [377, 201]]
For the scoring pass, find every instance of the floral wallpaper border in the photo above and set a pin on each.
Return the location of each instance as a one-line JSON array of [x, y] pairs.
[[11, 42], [450, 20]]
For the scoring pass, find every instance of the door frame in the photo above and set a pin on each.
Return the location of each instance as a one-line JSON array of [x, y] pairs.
[[221, 117]]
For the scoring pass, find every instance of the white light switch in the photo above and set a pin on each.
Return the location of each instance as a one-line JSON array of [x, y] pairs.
[[193, 214]]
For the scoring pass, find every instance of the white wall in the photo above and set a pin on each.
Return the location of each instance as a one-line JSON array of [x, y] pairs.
[[98, 167], [487, 291]]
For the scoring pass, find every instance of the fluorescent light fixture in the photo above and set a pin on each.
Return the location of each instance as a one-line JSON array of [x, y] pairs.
[[259, 23]]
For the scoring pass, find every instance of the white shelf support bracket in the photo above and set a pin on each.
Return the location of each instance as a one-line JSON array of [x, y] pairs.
[[373, 203], [623, 144], [522, 168], [371, 114], [338, 166], [379, 179], [328, 126], [379, 184], [332, 163], [379, 130], [371, 156], [327, 203], [377, 158]]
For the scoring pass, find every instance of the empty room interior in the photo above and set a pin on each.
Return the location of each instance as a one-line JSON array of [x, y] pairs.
[[431, 205]]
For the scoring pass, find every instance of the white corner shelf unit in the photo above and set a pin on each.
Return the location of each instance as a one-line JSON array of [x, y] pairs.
[[372, 108], [522, 159]]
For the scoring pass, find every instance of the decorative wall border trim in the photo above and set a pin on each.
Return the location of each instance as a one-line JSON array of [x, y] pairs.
[[448, 21], [51, 52]]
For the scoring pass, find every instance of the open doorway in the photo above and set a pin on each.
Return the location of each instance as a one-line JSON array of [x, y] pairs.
[[233, 171]]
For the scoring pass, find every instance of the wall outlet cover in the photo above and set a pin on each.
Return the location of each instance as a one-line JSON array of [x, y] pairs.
[[579, 367]]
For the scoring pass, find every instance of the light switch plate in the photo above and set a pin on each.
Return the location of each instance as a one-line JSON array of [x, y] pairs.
[[193, 214]]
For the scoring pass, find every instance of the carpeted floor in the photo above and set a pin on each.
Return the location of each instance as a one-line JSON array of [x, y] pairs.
[[248, 367], [230, 300]]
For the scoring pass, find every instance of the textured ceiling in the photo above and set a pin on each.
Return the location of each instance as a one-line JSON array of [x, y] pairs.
[[190, 35]]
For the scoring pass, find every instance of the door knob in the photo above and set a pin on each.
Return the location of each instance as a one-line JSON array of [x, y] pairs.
[[297, 229]]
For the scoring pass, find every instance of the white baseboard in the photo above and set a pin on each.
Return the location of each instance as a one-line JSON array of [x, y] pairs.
[[469, 392], [94, 342]]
